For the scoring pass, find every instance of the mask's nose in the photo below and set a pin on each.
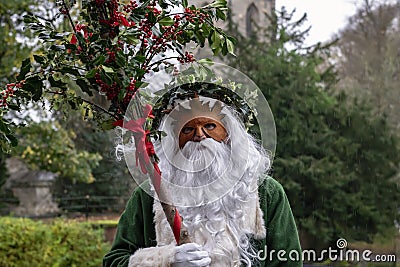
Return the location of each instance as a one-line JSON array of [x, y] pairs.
[[198, 134]]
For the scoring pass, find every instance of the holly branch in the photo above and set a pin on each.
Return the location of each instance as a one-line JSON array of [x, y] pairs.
[[107, 51]]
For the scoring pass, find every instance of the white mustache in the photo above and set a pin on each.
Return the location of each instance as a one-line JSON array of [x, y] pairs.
[[202, 163]]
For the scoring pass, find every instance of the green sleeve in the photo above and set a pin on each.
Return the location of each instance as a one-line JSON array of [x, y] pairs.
[[281, 229], [135, 230]]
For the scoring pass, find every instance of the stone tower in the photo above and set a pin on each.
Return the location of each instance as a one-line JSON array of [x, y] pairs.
[[246, 13]]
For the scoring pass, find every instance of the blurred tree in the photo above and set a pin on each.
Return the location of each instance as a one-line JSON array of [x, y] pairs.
[[112, 184], [16, 40], [48, 146], [368, 55], [335, 159], [17, 43], [12, 51], [49, 141]]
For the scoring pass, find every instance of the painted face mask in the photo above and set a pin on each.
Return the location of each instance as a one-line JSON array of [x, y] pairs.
[[200, 128]]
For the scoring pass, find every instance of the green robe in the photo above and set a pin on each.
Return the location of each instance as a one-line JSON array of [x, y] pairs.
[[136, 229]]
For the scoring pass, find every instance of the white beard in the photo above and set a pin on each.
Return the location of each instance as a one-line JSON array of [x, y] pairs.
[[221, 221], [203, 163]]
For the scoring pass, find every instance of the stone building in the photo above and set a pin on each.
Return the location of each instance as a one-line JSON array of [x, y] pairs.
[[246, 13]]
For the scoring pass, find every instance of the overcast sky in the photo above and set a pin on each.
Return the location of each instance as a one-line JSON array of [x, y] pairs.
[[325, 16]]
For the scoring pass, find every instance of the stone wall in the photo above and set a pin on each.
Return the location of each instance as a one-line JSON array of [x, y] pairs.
[[32, 188]]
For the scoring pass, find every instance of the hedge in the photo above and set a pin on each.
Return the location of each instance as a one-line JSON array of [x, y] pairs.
[[24, 242]]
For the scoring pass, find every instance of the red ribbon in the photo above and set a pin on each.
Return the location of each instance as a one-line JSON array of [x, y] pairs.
[[156, 178], [177, 226], [149, 147], [139, 134], [145, 149]]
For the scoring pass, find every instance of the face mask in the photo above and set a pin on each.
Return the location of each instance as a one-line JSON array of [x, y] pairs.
[[200, 128]]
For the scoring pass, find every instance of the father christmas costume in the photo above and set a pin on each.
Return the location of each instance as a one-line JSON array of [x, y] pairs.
[[235, 214]]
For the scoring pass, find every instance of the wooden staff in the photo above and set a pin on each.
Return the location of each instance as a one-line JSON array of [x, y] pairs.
[[151, 167]]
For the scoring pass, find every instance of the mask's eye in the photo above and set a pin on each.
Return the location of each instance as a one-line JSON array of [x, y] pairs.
[[210, 126], [187, 130]]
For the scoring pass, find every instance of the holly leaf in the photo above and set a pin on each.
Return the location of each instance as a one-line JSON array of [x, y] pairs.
[[70, 70], [57, 47], [132, 38], [25, 68], [167, 21], [12, 139], [107, 69], [3, 126], [28, 19], [84, 86], [139, 58], [14, 107], [56, 82], [39, 59], [91, 73], [230, 46], [108, 124], [34, 86], [218, 4], [120, 59], [99, 60], [220, 14], [217, 42]]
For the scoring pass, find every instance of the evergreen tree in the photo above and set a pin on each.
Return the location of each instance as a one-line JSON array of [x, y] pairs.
[[336, 160]]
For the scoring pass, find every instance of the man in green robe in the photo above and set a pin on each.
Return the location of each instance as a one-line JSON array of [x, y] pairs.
[[235, 214]]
